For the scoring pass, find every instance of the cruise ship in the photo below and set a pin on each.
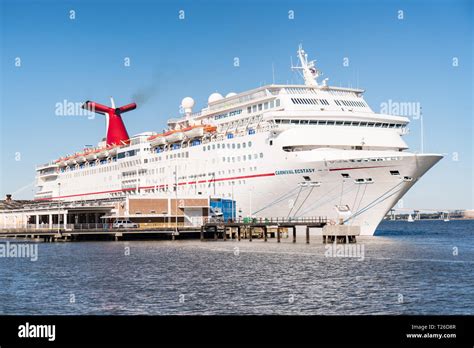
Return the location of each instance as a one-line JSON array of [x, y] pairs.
[[292, 151]]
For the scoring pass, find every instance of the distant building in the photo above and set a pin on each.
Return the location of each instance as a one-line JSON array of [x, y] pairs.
[[469, 214]]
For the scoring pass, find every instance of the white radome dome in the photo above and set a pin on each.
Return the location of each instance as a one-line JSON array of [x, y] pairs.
[[231, 94], [214, 97], [187, 102]]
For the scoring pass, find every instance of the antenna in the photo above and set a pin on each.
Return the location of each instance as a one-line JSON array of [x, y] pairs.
[[307, 69], [273, 73], [422, 131]]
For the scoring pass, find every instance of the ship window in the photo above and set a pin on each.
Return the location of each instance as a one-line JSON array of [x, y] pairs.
[[313, 122], [259, 107], [304, 122], [238, 145], [363, 124], [265, 106], [330, 123], [249, 109], [371, 124], [384, 125], [345, 175], [339, 123], [254, 108], [295, 121], [261, 154], [233, 146], [307, 178], [378, 125], [277, 102], [244, 145], [272, 104], [394, 172]]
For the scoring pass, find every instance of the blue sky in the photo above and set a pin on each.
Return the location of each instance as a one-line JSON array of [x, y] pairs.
[[405, 60]]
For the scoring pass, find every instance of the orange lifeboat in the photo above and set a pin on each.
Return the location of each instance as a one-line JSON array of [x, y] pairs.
[[198, 131]]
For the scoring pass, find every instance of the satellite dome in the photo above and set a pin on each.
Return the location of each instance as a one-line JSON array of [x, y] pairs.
[[214, 97], [187, 104], [231, 94]]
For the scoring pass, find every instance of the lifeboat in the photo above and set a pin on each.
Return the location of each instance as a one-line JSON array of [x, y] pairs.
[[198, 131], [61, 162], [80, 158], [113, 151], [70, 161], [91, 156], [157, 140], [102, 153], [174, 136]]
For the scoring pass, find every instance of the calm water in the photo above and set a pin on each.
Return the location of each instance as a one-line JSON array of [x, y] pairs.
[[409, 268]]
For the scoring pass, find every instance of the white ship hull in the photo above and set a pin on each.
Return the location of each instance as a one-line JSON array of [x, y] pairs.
[[271, 186]]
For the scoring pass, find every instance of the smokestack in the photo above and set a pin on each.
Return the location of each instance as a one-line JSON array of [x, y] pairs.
[[116, 131]]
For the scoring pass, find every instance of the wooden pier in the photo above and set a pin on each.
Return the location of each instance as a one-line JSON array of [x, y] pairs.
[[245, 228]]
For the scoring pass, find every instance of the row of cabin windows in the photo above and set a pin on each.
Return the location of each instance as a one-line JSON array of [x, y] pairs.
[[341, 123], [263, 106], [229, 146], [355, 103], [242, 158], [309, 101]]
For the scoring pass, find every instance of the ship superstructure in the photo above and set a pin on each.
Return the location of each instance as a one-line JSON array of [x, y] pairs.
[[277, 150]]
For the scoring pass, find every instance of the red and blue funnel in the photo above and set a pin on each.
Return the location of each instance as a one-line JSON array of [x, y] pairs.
[[116, 131]]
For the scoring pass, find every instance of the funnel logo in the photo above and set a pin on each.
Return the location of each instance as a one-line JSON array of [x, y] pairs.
[[116, 131]]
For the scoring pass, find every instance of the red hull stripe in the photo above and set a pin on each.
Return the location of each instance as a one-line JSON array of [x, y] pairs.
[[160, 186], [192, 183]]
